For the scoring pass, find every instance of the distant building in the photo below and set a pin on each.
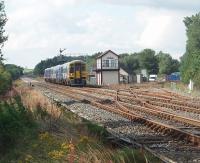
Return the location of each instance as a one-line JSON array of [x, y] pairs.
[[107, 68], [124, 76], [144, 73], [139, 78]]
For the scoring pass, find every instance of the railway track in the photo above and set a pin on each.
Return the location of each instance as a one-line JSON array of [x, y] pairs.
[[173, 100], [139, 107], [177, 127], [155, 103], [174, 104]]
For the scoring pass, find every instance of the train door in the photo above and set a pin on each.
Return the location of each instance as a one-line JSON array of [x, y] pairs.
[[71, 74], [78, 73]]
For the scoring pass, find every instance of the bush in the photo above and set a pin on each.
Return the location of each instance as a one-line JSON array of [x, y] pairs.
[[15, 71], [15, 121], [5, 80]]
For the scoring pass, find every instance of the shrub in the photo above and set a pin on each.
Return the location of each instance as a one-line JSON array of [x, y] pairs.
[[15, 71], [15, 121], [5, 80]]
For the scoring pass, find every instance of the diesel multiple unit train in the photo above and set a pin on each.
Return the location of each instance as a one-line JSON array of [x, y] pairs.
[[72, 73]]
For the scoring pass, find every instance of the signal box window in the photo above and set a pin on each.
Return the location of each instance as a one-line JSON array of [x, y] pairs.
[[113, 63], [105, 63]]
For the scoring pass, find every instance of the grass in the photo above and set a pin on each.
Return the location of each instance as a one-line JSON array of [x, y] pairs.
[[182, 88], [44, 132], [96, 130]]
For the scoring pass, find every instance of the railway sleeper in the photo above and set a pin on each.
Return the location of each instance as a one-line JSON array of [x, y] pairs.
[[182, 137], [157, 128], [166, 131], [152, 126], [161, 129]]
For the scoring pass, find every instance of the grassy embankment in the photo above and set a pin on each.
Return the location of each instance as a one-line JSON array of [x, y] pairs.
[[33, 129], [182, 88]]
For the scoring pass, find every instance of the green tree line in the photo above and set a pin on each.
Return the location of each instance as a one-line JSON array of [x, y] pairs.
[[161, 63]]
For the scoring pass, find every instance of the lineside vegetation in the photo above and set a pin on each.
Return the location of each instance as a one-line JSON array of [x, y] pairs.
[[190, 62], [35, 129]]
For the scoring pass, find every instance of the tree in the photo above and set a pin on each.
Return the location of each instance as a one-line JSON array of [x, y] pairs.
[[190, 61], [15, 71], [148, 60], [166, 64], [91, 61], [5, 80], [175, 65], [3, 20], [129, 63]]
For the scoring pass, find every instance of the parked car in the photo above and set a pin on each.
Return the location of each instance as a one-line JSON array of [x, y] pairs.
[[152, 77]]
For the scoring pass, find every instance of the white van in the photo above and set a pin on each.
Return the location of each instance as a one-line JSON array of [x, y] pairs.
[[152, 77]]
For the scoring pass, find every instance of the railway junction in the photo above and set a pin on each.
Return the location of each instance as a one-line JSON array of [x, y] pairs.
[[163, 122]]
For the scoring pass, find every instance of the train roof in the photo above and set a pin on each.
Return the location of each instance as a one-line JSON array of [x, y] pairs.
[[75, 61], [65, 64]]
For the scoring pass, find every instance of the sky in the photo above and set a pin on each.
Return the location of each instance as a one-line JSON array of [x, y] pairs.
[[38, 29]]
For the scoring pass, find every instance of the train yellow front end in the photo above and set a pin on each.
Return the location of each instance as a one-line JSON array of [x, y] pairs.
[[77, 73]]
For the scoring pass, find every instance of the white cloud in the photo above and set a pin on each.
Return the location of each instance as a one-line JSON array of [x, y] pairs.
[[168, 4], [163, 30], [154, 32], [37, 29]]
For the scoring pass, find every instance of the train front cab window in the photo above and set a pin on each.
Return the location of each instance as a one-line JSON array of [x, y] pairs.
[[71, 70], [77, 67]]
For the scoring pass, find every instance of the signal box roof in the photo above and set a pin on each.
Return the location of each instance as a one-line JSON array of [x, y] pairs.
[[106, 52]]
